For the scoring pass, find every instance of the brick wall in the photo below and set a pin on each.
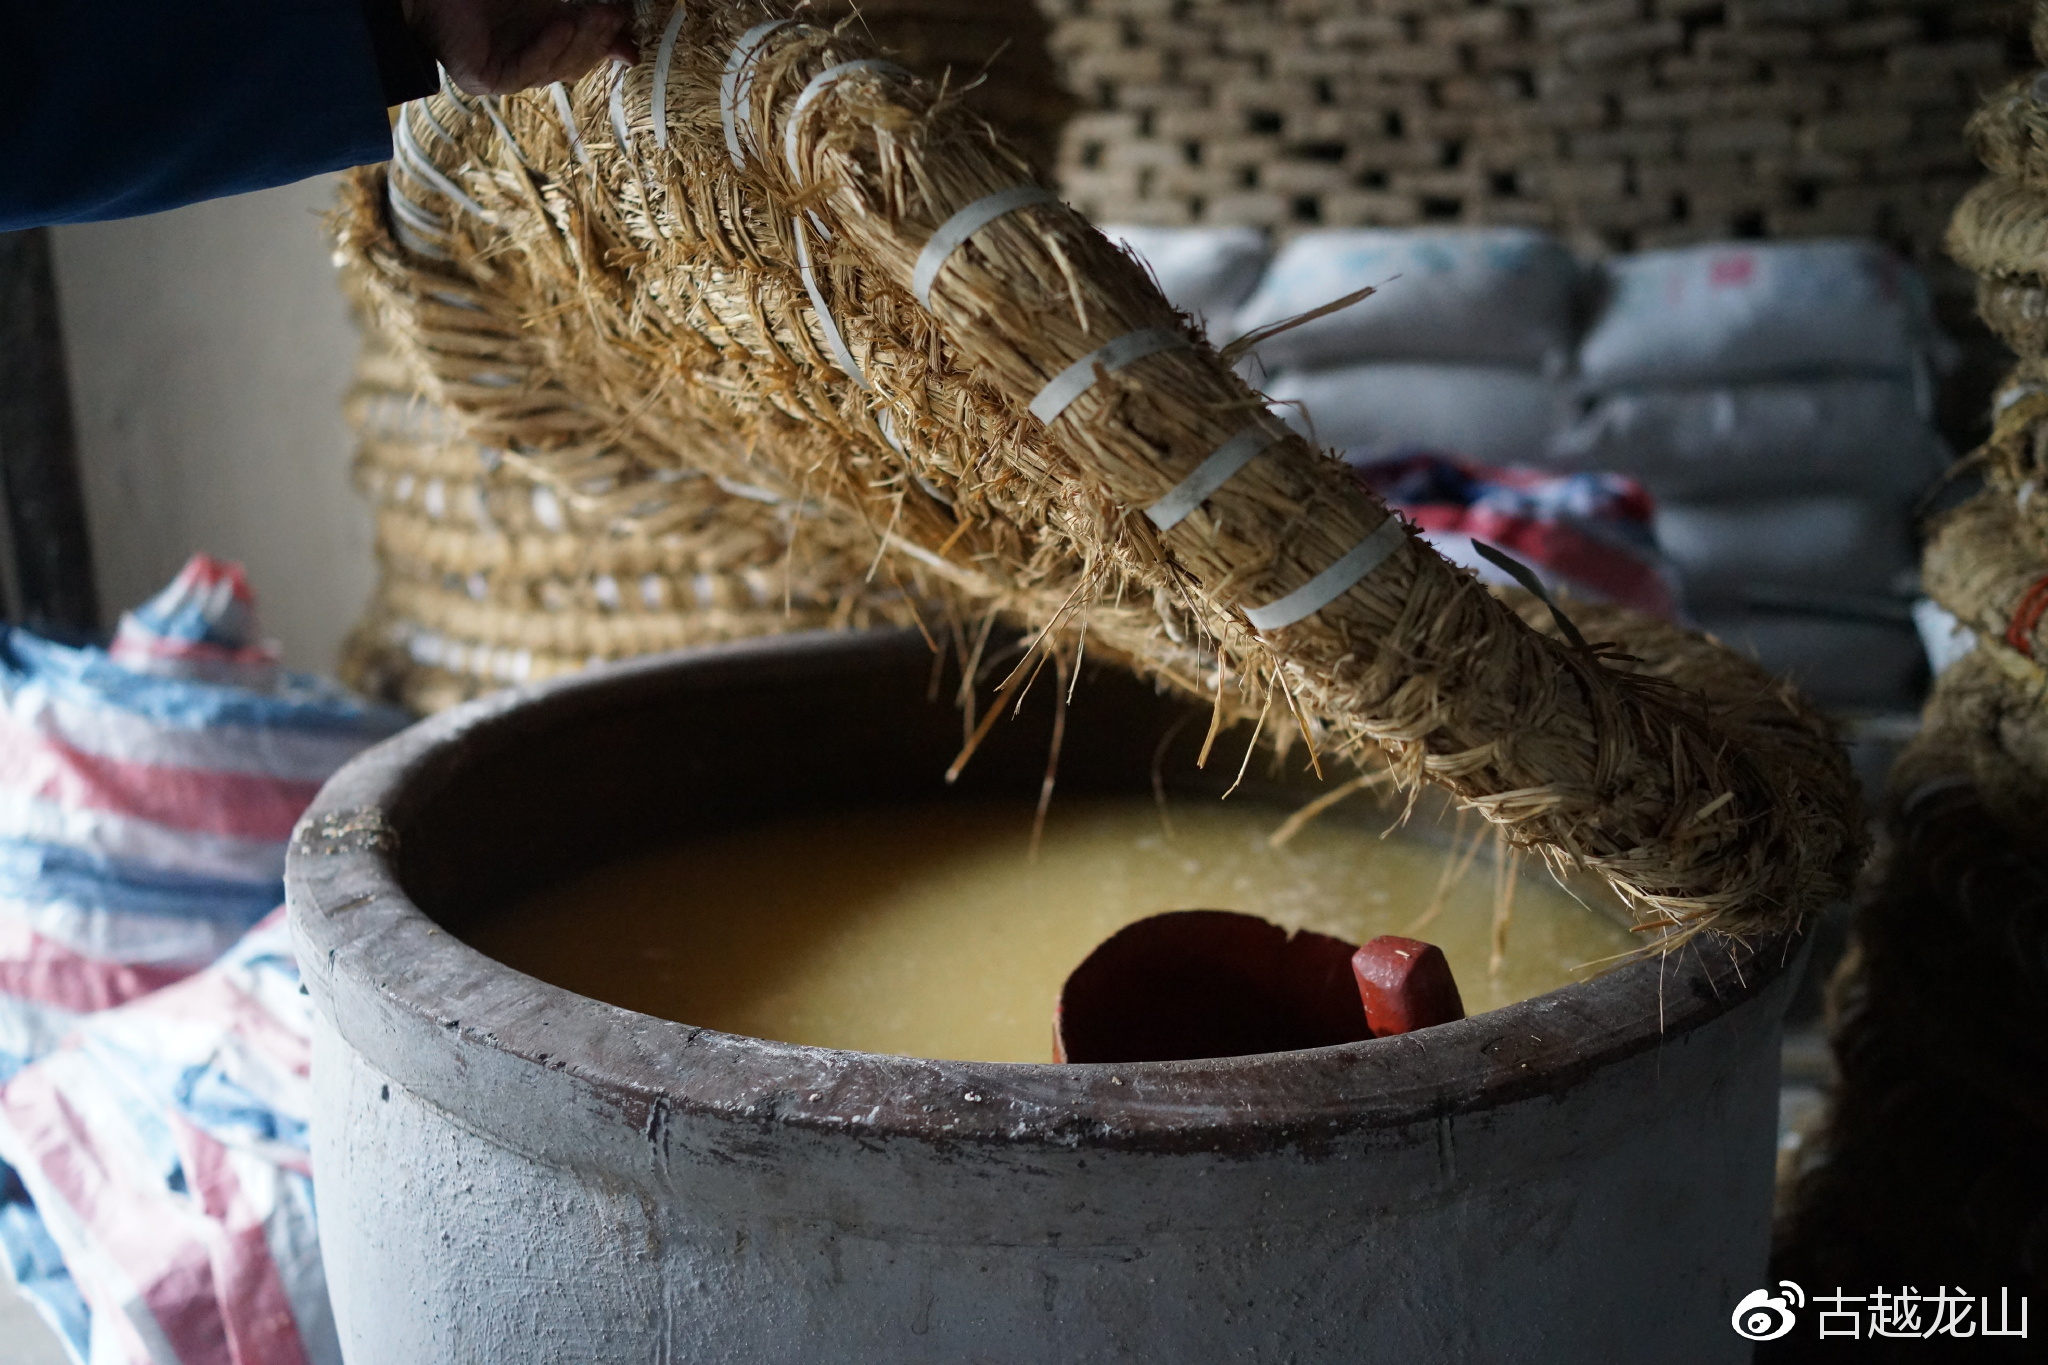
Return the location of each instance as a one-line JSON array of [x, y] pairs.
[[1623, 124]]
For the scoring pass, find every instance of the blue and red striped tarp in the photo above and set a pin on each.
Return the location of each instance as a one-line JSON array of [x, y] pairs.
[[147, 793]]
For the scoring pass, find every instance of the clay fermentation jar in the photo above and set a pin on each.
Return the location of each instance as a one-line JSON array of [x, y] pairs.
[[514, 1174]]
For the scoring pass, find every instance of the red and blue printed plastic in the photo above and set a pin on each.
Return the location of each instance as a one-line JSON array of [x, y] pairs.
[[1590, 534], [147, 793]]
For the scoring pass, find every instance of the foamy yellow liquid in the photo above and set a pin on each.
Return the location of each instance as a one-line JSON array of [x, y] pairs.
[[930, 932]]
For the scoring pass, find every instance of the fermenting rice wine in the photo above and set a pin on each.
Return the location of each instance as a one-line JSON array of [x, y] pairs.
[[932, 931]]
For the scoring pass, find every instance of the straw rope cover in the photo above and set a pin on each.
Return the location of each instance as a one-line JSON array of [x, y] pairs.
[[1930, 1168], [2000, 232], [660, 301], [1928, 1164]]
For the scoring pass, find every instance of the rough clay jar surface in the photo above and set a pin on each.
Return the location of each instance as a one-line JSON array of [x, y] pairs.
[[513, 1173]]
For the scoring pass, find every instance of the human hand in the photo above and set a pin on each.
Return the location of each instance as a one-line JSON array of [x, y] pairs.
[[494, 47]]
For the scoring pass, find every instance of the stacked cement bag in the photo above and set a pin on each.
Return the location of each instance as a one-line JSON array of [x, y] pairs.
[[1777, 398], [1461, 350]]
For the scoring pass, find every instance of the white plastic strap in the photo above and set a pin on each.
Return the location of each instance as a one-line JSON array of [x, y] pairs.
[[1333, 582], [418, 245], [414, 160], [457, 301], [751, 492], [886, 422], [954, 232], [617, 102], [1211, 474], [453, 92], [840, 350], [1075, 380], [815, 87], [414, 227], [490, 103], [426, 111], [412, 214], [737, 85], [664, 58], [561, 94]]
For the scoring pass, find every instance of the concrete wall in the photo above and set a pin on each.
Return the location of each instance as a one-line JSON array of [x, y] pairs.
[[209, 351]]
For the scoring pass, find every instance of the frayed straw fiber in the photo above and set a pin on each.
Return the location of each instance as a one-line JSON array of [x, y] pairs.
[[639, 306]]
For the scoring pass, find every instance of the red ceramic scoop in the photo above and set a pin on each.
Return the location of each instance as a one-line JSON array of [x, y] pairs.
[[1215, 983], [1406, 984], [1207, 983]]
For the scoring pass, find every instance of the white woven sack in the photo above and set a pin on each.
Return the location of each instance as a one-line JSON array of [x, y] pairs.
[[1490, 296], [1848, 664], [1863, 435], [1491, 414], [1758, 310], [1722, 550]]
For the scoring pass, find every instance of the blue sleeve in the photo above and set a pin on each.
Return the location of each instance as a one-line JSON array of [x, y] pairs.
[[130, 106]]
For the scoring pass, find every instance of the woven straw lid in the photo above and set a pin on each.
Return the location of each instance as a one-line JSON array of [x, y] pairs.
[[1930, 1160], [2010, 133], [2000, 231], [487, 579], [737, 273], [1981, 565], [1990, 709]]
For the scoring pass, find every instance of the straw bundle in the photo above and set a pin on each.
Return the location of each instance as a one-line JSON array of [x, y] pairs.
[[1931, 1170], [1998, 230], [2017, 310], [722, 259], [489, 580], [1929, 1164], [1980, 565]]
